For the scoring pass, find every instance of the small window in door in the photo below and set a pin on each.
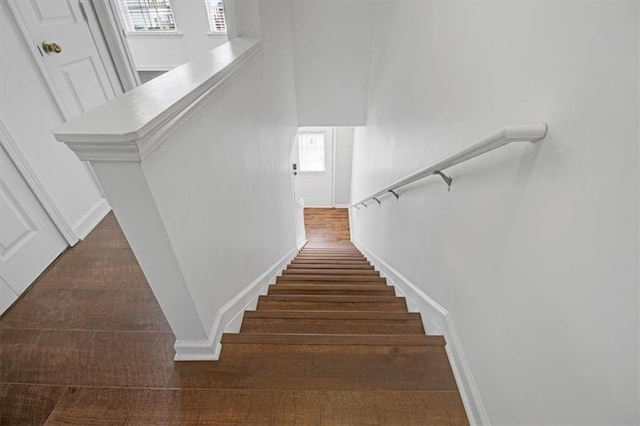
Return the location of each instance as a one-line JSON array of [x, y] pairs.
[[311, 152]]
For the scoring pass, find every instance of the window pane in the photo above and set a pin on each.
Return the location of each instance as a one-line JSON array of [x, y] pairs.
[[311, 152], [147, 15], [215, 11]]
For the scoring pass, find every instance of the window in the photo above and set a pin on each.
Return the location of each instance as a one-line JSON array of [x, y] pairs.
[[311, 152], [215, 11], [147, 15]]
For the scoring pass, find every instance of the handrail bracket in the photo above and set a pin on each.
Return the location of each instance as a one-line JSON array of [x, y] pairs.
[[395, 194], [447, 179], [376, 200]]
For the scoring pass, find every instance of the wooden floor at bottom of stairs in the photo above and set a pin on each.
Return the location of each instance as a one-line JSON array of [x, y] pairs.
[[246, 407]]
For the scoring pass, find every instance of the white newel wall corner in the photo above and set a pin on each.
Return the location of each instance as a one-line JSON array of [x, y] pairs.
[[195, 164]]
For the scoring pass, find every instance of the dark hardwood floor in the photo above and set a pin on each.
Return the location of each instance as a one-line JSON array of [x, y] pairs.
[[88, 345]]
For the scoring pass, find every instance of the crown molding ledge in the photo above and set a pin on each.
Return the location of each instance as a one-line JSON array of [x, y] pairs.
[[132, 126]]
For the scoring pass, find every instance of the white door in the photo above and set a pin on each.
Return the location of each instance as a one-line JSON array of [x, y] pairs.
[[64, 48], [29, 241], [313, 166]]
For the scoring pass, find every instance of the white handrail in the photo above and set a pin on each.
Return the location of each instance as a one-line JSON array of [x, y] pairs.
[[501, 137]]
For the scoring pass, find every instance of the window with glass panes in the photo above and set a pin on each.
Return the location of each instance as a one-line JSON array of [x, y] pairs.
[[147, 15], [311, 152]]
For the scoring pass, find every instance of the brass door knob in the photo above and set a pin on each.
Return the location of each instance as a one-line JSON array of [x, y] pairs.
[[51, 48]]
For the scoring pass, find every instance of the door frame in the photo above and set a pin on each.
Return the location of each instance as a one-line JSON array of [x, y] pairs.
[[317, 129], [109, 24]]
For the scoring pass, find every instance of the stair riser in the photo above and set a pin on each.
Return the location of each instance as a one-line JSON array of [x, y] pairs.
[[332, 306], [331, 262], [353, 340], [335, 278], [330, 250], [323, 266], [348, 257], [330, 292], [330, 327], [331, 256], [333, 283], [325, 315], [336, 271]]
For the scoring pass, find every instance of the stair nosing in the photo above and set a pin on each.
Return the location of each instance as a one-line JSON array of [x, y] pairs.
[[332, 339]]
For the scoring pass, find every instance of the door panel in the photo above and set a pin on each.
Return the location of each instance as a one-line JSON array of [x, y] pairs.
[[7, 296], [315, 187], [17, 227], [52, 12], [83, 83], [29, 241]]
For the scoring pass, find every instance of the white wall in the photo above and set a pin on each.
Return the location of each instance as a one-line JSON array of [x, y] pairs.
[[161, 52], [332, 46], [534, 252], [222, 180], [342, 164], [29, 113]]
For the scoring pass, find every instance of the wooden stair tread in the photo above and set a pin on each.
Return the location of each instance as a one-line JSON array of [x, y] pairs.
[[333, 271], [332, 289], [327, 339], [303, 286], [332, 299], [323, 266], [331, 259], [317, 277], [363, 315]]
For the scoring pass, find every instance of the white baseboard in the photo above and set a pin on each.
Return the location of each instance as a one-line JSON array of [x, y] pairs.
[[341, 206], [437, 320], [91, 218], [229, 317], [301, 243], [196, 350]]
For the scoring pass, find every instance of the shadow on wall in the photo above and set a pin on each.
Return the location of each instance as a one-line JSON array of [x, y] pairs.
[[149, 75]]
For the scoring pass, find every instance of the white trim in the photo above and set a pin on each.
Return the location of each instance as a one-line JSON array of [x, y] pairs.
[[113, 31], [342, 206], [156, 68], [435, 317], [91, 218], [40, 192], [99, 134], [196, 350], [100, 43], [153, 34], [214, 34], [229, 317], [334, 148]]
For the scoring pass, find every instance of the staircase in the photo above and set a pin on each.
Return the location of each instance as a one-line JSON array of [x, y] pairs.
[[331, 323]]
